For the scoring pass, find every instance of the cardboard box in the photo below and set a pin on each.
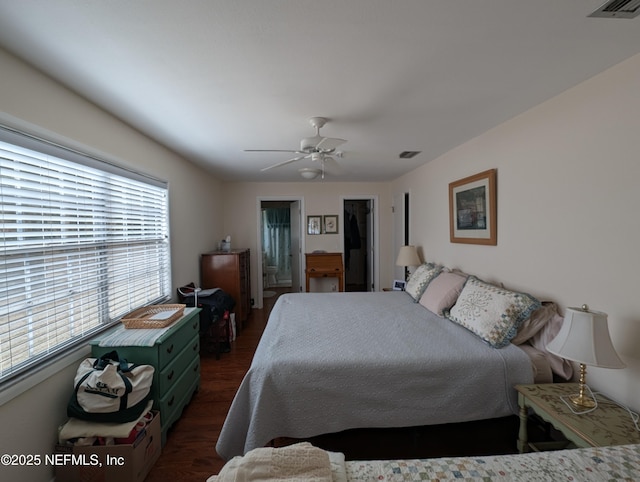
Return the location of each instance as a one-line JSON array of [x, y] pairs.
[[110, 463]]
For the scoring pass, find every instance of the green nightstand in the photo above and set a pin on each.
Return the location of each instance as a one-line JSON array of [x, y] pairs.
[[608, 424]]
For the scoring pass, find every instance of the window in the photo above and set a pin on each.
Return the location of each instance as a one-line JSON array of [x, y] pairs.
[[83, 243]]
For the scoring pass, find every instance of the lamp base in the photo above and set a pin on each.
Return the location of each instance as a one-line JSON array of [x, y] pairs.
[[581, 401]]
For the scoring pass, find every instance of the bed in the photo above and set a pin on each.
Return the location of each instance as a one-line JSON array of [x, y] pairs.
[[329, 362], [305, 462]]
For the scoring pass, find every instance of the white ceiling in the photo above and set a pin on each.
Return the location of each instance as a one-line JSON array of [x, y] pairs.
[[210, 78]]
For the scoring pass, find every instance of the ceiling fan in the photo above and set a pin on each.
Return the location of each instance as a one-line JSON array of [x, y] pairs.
[[317, 148]]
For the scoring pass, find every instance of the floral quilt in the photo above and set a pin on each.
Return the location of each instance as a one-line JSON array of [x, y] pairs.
[[617, 463]]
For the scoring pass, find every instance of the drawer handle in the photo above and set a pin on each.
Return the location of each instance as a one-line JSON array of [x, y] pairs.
[[172, 400], [195, 346], [170, 349], [170, 375], [195, 325], [195, 368]]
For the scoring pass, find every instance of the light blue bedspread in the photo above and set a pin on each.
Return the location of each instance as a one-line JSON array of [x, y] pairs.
[[328, 362]]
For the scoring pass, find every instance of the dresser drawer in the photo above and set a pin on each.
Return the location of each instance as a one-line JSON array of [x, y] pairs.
[[171, 348], [171, 373], [172, 402]]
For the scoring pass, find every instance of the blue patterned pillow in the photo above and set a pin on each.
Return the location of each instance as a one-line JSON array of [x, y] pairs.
[[420, 279], [492, 313]]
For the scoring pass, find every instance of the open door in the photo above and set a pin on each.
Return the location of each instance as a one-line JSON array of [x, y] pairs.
[[359, 239], [270, 272]]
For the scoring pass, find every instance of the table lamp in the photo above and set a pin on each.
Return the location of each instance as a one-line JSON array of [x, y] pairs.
[[584, 338], [408, 256]]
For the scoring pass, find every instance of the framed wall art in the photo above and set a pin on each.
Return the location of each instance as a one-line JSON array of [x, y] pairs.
[[314, 224], [331, 224], [473, 209]]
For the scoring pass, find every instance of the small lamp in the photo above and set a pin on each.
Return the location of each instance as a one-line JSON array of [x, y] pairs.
[[584, 338], [408, 256]]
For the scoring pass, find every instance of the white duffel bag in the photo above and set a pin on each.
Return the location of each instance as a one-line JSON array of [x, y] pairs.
[[108, 389]]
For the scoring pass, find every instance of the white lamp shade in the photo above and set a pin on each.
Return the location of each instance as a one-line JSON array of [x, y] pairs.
[[309, 173], [408, 256], [584, 338]]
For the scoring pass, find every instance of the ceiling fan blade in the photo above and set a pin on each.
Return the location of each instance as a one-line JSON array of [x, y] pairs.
[[273, 150], [284, 163], [332, 167], [329, 143]]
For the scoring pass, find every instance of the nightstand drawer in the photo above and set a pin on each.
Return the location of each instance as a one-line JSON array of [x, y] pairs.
[[171, 373]]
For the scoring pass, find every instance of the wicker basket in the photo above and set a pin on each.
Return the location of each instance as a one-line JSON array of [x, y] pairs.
[[154, 316]]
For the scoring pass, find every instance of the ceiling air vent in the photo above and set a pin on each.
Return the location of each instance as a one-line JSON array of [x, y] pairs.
[[618, 9], [411, 154]]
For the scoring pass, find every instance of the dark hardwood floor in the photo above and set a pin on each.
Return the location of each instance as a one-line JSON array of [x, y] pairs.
[[189, 454]]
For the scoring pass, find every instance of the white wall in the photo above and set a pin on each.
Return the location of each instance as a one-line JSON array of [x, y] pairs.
[[320, 198], [568, 200], [32, 102]]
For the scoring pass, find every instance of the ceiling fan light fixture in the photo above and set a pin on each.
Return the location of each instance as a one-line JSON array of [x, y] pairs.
[[309, 173]]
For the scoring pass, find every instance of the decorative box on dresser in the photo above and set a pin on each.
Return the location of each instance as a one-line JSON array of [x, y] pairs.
[[229, 271], [175, 355]]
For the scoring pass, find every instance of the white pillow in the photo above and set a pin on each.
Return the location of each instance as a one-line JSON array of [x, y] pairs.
[[492, 313], [420, 279]]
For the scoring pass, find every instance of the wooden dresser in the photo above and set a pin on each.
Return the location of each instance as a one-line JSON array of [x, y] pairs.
[[229, 271], [325, 265], [175, 356]]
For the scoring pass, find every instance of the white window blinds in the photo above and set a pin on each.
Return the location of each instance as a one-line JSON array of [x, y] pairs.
[[81, 247]]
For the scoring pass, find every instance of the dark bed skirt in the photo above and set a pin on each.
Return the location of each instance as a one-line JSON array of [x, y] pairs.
[[484, 437]]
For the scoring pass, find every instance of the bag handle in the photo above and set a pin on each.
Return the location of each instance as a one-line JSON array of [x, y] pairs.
[[106, 359]]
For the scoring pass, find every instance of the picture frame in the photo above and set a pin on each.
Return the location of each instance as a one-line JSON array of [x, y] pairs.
[[314, 224], [399, 285], [473, 213], [330, 224]]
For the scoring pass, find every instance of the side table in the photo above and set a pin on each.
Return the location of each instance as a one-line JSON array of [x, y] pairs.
[[608, 424]]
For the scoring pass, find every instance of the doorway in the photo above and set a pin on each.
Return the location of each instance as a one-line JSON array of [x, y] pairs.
[[279, 247], [359, 244]]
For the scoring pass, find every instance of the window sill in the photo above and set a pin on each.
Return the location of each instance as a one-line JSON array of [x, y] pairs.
[[17, 387]]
